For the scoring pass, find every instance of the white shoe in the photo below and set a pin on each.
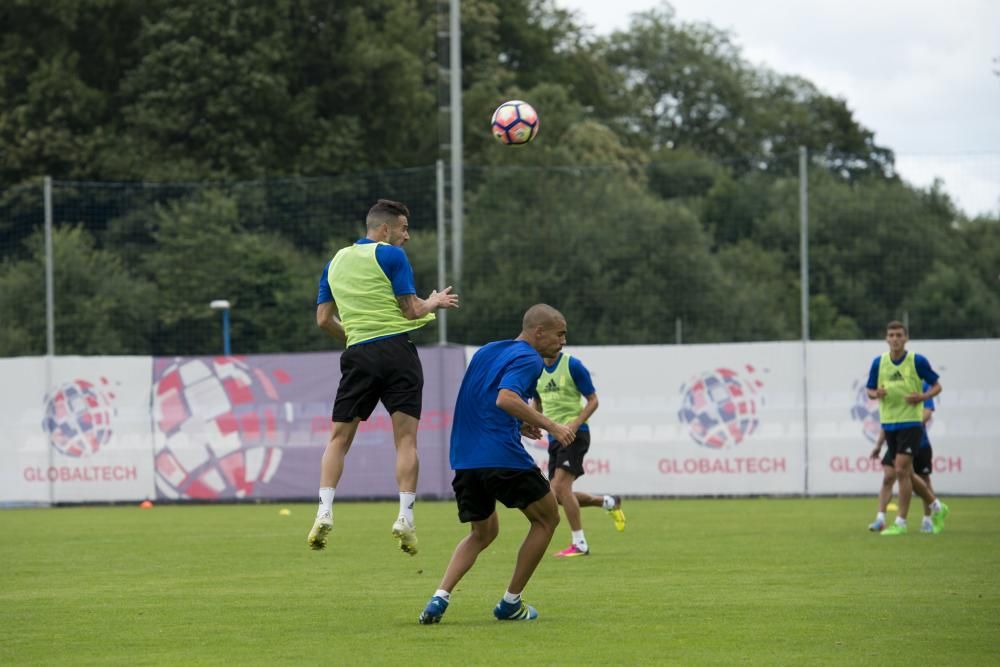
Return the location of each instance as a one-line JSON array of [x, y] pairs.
[[404, 531], [927, 526], [321, 528]]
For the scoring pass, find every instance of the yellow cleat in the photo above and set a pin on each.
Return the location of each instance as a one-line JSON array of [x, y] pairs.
[[617, 515], [404, 531], [321, 528]]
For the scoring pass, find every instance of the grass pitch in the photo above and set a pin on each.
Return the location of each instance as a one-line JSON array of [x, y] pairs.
[[759, 581]]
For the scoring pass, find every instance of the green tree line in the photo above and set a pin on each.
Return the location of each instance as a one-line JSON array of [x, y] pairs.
[[206, 150]]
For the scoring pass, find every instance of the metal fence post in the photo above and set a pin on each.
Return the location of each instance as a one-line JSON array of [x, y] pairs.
[[50, 324], [804, 287], [50, 309]]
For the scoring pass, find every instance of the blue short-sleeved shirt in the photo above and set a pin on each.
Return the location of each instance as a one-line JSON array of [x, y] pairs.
[[394, 263], [483, 435], [924, 372]]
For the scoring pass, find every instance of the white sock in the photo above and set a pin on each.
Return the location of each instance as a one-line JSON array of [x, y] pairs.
[[406, 500], [927, 521], [900, 521], [443, 594], [579, 540], [936, 505], [511, 598], [326, 494], [880, 517], [609, 503]]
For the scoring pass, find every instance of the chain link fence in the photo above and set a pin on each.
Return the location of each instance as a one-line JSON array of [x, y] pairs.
[[683, 252]]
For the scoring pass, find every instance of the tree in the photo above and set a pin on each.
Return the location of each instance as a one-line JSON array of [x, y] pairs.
[[204, 254], [99, 307], [621, 264], [952, 303], [690, 88]]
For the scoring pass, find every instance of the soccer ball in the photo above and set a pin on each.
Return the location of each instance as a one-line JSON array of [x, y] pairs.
[[514, 122]]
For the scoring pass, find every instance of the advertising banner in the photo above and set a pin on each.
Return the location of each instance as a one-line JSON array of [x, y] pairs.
[[698, 420], [694, 420], [844, 424], [257, 426], [76, 429]]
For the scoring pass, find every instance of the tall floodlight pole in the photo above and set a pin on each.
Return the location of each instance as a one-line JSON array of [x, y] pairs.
[[50, 305], [50, 310], [804, 239], [457, 185], [804, 292], [442, 316]]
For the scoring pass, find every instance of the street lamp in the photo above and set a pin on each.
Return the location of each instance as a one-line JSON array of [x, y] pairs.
[[223, 305]]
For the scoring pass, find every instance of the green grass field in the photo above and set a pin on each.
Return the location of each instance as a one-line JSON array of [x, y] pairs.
[[749, 581]]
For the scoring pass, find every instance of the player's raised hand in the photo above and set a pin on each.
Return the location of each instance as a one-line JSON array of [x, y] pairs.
[[444, 298]]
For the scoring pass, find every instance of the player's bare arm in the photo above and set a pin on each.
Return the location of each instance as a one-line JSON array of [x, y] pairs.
[[328, 319], [511, 403], [530, 431], [588, 410], [921, 396], [413, 307], [878, 445], [876, 393]]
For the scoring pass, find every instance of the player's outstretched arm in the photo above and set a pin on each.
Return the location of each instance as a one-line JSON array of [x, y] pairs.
[[511, 403], [414, 307]]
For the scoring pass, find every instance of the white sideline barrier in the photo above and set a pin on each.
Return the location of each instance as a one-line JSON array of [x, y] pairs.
[[688, 420], [100, 446], [640, 445]]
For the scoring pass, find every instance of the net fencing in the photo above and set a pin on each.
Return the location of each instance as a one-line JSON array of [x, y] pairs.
[[681, 252]]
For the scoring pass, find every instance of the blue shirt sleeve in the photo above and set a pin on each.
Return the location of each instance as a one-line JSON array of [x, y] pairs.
[[324, 294], [929, 403], [397, 269], [521, 375], [581, 376], [873, 374], [924, 370]]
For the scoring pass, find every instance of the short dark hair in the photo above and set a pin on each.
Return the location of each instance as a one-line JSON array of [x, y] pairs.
[[896, 324], [385, 211], [541, 314]]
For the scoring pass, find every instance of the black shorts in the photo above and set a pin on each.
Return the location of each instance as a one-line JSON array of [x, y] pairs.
[[478, 489], [923, 462], [386, 370], [569, 458], [903, 441], [889, 458]]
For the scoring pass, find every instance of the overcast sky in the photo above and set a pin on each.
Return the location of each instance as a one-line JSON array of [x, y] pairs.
[[919, 73]]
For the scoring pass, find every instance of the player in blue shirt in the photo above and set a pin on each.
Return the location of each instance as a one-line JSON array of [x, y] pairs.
[[922, 467], [565, 393], [366, 299], [896, 379], [490, 463]]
